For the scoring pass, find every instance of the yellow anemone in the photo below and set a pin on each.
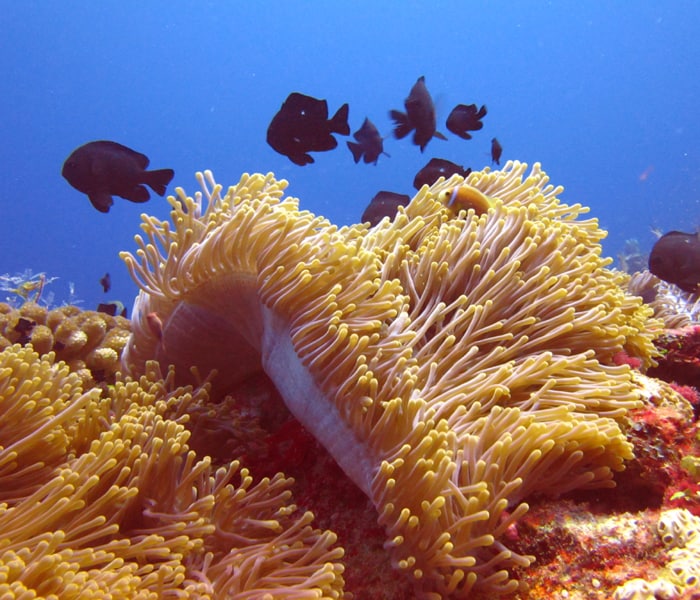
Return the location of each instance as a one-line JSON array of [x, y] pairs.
[[452, 364]]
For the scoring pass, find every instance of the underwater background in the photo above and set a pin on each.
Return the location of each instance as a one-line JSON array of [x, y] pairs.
[[604, 95]]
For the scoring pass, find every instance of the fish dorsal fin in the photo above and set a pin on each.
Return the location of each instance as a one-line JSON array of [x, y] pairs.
[[141, 159]]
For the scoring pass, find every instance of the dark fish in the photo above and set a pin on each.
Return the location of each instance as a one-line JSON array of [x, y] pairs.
[[302, 126], [104, 169], [436, 168], [369, 143], [465, 118], [24, 326], [106, 282], [384, 204], [419, 116], [496, 151], [675, 258], [112, 308]]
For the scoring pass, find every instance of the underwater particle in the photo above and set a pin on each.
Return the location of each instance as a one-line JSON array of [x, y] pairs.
[[302, 126], [465, 118], [419, 116], [436, 168], [370, 143], [384, 204], [103, 169], [496, 151], [675, 258]]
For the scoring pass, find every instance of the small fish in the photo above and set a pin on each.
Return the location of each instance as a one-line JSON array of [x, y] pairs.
[[369, 143], [302, 126], [496, 151], [436, 168], [465, 118], [384, 204], [419, 116], [113, 308], [106, 282], [24, 327], [465, 197], [104, 169], [155, 325], [675, 258]]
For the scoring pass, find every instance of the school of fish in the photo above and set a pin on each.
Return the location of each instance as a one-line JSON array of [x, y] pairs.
[[103, 169]]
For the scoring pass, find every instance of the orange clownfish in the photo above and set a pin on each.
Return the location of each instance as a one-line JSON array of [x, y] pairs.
[[464, 197], [155, 325]]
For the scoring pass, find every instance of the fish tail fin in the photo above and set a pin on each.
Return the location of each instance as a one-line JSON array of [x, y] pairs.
[[339, 122], [356, 150], [158, 180], [402, 125]]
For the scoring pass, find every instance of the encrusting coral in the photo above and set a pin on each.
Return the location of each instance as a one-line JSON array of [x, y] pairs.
[[90, 342], [452, 363], [100, 497], [679, 531]]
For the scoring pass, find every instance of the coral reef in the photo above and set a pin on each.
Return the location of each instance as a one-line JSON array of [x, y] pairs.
[[453, 364], [100, 496], [679, 530], [90, 342], [679, 359], [674, 307]]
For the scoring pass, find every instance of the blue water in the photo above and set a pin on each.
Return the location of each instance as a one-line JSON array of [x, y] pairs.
[[604, 94]]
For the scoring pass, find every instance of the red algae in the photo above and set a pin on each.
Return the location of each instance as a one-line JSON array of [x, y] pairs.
[[582, 553], [680, 356]]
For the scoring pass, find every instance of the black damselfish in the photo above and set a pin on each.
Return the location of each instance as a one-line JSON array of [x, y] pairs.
[[675, 258], [419, 116], [369, 143], [436, 168], [302, 125], [103, 169], [106, 282], [384, 204], [465, 118], [496, 151]]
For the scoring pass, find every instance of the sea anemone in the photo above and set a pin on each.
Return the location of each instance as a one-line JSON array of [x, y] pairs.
[[452, 363], [101, 497]]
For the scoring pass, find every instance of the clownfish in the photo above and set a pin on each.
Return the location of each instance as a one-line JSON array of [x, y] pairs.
[[155, 326], [464, 197]]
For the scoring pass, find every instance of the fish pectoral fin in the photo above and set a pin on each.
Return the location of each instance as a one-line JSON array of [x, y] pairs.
[[301, 159], [439, 136], [461, 133], [402, 125], [138, 194], [356, 150], [101, 201]]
